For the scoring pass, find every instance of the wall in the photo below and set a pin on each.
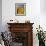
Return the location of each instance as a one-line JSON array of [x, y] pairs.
[[33, 13], [0, 15]]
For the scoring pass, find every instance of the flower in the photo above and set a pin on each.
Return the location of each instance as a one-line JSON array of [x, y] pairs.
[[40, 33]]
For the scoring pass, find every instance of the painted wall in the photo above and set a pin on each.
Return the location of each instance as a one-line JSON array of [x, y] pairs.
[[33, 13]]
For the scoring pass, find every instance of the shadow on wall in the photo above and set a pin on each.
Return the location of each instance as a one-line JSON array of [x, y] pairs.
[[43, 6], [0, 15]]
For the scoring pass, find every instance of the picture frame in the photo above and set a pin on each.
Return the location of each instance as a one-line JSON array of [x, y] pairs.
[[20, 9]]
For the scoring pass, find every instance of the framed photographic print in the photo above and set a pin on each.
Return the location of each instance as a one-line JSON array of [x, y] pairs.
[[20, 9]]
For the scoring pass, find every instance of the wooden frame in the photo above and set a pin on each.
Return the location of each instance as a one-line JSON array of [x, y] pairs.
[[20, 9]]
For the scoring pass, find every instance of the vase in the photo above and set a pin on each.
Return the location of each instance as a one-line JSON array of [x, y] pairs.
[[41, 43]]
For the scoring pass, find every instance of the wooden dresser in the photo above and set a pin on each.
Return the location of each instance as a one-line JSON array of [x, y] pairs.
[[22, 33]]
